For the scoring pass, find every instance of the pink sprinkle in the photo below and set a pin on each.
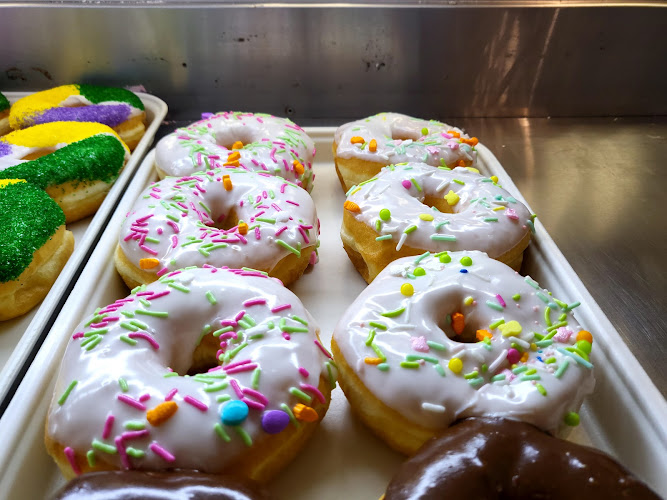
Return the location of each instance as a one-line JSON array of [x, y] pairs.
[[196, 403], [282, 188], [143, 294], [124, 459], [453, 145], [446, 136], [158, 295], [500, 300], [432, 149], [161, 452], [239, 316], [253, 404], [131, 402], [314, 390], [145, 218], [295, 127], [69, 453], [154, 195], [272, 155], [286, 336], [256, 394], [144, 397], [107, 426], [562, 334], [258, 233], [242, 368], [254, 302], [149, 250], [237, 389], [313, 258], [199, 159], [131, 435], [292, 203], [513, 356], [511, 213], [243, 240], [280, 230], [229, 335], [170, 395], [303, 372], [406, 183], [77, 335], [281, 308], [174, 226], [145, 336], [326, 353], [419, 344], [303, 234], [238, 363]]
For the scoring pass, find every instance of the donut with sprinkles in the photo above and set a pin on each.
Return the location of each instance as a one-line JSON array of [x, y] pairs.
[[207, 369], [223, 217], [447, 336], [251, 141], [117, 108], [4, 115], [411, 208], [361, 148], [76, 163], [35, 246]]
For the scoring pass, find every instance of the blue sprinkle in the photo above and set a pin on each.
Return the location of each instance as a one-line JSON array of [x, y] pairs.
[[234, 413], [464, 271]]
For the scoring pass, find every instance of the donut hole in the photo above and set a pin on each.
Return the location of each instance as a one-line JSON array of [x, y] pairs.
[[227, 138], [203, 357], [405, 135], [224, 220], [439, 203]]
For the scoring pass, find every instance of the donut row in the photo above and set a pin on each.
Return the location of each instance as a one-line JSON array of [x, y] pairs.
[[211, 365]]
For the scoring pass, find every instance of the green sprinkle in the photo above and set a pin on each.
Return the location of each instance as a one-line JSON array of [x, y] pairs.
[[541, 388], [491, 219], [393, 314], [103, 447], [247, 440], [292, 418], [379, 326], [383, 367], [410, 364], [409, 229], [156, 314], [576, 357], [92, 345], [178, 287], [300, 394], [170, 374], [542, 297], [130, 327], [128, 340], [221, 432], [63, 398], [127, 314], [530, 377], [544, 343], [371, 336], [299, 319], [133, 452], [226, 329], [572, 306], [476, 382], [287, 246], [556, 326], [496, 324], [435, 345], [216, 387], [532, 282], [473, 374], [416, 184], [516, 297], [123, 384], [90, 456], [561, 369], [417, 357], [550, 360], [384, 237], [520, 369], [571, 419], [379, 353], [223, 398], [443, 237], [255, 378], [134, 425], [498, 378], [332, 378], [494, 305], [139, 324], [266, 219]]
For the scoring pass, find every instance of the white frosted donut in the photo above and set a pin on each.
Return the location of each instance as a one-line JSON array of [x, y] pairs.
[[519, 352], [363, 147], [410, 208], [223, 217], [252, 141], [124, 399]]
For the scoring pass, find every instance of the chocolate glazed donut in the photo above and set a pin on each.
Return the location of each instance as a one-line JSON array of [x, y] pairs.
[[135, 485], [492, 458]]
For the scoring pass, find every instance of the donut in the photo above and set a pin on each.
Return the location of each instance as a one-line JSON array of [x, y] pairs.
[[411, 208], [453, 335], [35, 246], [117, 108], [4, 115], [251, 141], [76, 163], [137, 485], [494, 458], [223, 217], [208, 369], [363, 147]]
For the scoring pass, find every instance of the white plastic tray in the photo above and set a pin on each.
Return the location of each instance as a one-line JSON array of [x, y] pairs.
[[19, 336], [625, 416]]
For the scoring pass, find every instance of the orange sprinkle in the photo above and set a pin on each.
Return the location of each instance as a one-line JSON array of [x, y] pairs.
[[460, 163], [243, 228], [161, 413], [524, 357], [454, 133], [585, 335], [227, 182], [372, 361], [298, 167], [357, 140], [305, 413], [483, 334], [351, 206], [473, 141], [458, 323], [148, 263], [237, 145], [373, 146], [234, 156]]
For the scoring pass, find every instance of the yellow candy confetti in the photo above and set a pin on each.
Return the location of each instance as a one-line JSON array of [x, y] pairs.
[[452, 198], [510, 329], [494, 179], [468, 301], [455, 365], [407, 289], [426, 217]]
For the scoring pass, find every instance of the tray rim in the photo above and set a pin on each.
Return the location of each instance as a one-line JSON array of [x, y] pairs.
[[643, 394], [50, 306]]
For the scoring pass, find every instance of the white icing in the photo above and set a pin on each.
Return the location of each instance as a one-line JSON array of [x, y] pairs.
[[189, 435], [407, 390], [271, 145], [475, 224], [400, 139], [255, 198]]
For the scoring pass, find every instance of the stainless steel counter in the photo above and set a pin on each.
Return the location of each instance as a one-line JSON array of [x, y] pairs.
[[597, 186]]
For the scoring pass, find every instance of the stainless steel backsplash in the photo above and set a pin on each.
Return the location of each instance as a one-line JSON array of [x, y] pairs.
[[332, 64]]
